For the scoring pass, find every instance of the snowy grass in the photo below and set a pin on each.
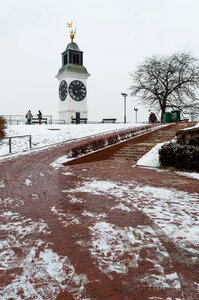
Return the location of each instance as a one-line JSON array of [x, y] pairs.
[[46, 135]]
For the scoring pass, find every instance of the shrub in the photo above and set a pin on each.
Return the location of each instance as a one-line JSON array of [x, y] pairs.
[[188, 137], [2, 127], [183, 157]]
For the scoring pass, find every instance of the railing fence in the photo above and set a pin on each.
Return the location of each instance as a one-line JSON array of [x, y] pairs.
[[21, 119], [10, 138]]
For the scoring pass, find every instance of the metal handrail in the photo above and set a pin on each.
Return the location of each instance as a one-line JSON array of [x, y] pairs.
[[18, 136]]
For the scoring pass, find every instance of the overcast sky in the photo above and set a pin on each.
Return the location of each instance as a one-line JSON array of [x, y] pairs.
[[115, 36]]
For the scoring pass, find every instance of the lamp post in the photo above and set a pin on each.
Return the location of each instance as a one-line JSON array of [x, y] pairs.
[[136, 111], [124, 95]]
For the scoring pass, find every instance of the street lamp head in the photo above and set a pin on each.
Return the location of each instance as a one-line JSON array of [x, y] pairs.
[[136, 111], [124, 94]]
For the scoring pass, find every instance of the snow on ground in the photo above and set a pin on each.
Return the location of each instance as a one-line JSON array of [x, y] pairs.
[[66, 219], [175, 212], [43, 273], [189, 175], [151, 158], [112, 248]]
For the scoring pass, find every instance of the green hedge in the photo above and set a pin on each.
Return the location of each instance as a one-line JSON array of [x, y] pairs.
[[183, 157]]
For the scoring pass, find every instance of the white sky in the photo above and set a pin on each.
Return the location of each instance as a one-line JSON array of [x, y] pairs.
[[115, 36]]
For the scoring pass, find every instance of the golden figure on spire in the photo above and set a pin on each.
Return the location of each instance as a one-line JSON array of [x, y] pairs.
[[72, 30]]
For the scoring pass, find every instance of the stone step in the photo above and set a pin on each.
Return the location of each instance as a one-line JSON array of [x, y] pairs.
[[138, 146], [131, 153], [161, 137]]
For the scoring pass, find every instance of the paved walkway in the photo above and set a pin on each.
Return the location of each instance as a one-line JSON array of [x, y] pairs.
[[101, 230]]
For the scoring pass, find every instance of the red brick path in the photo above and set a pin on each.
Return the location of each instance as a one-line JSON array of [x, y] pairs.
[[145, 261]]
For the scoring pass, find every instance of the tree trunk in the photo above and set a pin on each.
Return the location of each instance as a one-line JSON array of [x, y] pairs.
[[163, 109]]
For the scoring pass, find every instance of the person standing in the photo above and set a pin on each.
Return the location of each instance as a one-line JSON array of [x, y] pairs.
[[152, 118], [29, 117], [39, 115]]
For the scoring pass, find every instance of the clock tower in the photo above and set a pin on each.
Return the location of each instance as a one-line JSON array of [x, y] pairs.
[[72, 77]]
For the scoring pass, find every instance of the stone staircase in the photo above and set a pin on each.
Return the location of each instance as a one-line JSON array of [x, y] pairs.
[[133, 151]]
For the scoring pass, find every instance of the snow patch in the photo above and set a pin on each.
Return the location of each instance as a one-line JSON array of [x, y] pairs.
[[121, 206], [67, 173], [11, 202], [28, 182], [76, 200], [2, 185], [189, 175], [58, 163], [33, 270], [90, 214], [35, 196], [175, 212], [111, 248], [65, 218], [151, 158], [100, 187]]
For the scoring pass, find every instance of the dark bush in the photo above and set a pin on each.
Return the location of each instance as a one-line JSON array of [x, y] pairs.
[[194, 142], [183, 157], [188, 137], [112, 139], [2, 127]]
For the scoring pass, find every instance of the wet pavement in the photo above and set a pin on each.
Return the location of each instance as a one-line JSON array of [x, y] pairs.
[[99, 230]]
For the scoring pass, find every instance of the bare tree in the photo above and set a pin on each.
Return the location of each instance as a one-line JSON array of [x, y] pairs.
[[171, 81]]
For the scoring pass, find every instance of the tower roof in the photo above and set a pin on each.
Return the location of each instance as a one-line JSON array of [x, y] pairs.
[[71, 68], [72, 46]]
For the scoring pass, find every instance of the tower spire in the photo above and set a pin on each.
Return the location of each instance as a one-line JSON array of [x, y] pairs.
[[72, 30]]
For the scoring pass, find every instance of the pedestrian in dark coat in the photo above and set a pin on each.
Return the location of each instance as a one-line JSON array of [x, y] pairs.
[[152, 118], [39, 115]]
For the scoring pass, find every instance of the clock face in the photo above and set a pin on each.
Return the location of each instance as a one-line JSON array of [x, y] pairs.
[[77, 90], [63, 90]]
